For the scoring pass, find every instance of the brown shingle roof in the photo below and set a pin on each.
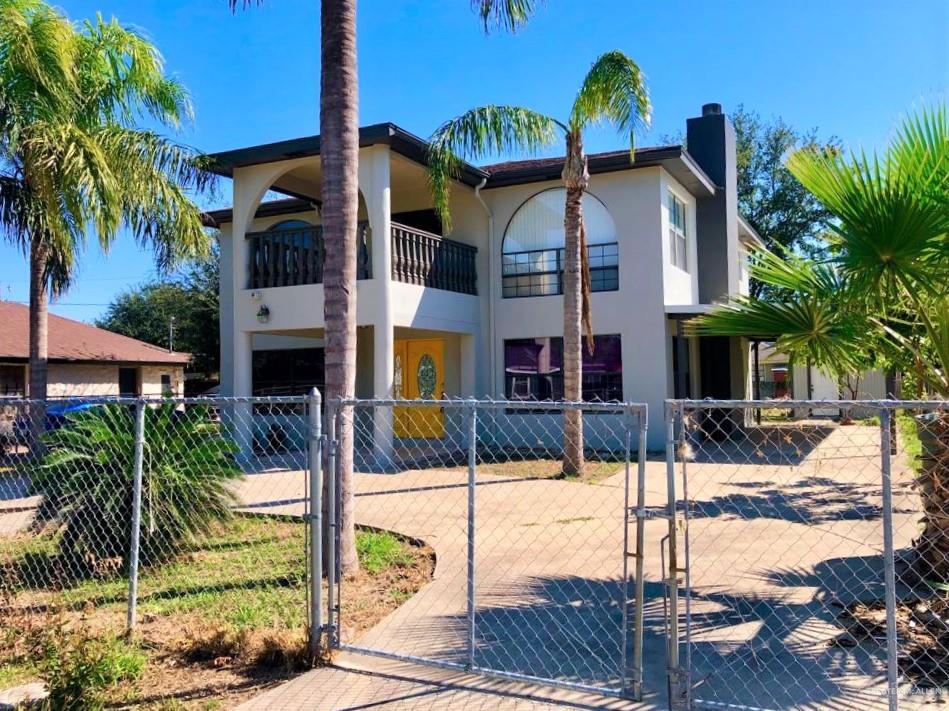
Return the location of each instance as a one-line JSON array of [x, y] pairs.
[[75, 341]]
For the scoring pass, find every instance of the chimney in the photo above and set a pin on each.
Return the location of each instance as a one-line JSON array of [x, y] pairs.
[[711, 143]]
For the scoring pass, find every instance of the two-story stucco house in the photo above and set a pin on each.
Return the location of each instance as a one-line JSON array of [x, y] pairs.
[[482, 304]]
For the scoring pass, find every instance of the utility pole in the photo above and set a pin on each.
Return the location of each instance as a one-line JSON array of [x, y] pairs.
[[171, 334]]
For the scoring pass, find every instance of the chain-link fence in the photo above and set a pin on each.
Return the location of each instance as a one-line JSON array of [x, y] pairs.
[[778, 558], [524, 508], [176, 516], [812, 565]]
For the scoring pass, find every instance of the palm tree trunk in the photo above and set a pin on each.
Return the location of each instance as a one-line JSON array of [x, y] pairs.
[[339, 155], [39, 338], [932, 546], [576, 178]]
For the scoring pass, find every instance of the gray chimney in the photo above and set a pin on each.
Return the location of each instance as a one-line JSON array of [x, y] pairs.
[[711, 142]]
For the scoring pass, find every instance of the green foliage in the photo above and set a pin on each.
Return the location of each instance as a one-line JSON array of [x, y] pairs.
[[86, 481], [807, 322], [72, 159], [508, 15], [191, 298], [80, 669], [613, 90], [882, 299], [908, 432], [479, 132], [378, 550], [788, 217]]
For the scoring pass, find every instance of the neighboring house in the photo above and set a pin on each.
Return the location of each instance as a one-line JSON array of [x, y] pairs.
[[780, 379], [85, 360], [478, 312]]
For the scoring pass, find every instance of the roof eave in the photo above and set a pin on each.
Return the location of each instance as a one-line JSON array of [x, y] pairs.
[[407, 144]]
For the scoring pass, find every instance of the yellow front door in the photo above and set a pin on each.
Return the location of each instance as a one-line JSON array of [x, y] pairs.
[[421, 367]]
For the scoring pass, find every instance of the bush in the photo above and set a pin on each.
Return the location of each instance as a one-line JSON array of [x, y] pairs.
[[87, 474], [79, 669]]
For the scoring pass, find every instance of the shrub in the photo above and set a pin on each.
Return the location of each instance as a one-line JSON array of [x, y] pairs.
[[87, 474], [79, 669]]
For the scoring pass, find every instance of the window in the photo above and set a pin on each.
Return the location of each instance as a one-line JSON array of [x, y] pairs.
[[533, 369], [128, 382], [291, 371], [678, 242], [166, 385], [533, 253], [12, 380]]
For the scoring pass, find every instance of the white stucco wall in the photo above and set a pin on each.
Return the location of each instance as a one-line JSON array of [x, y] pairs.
[[635, 311]]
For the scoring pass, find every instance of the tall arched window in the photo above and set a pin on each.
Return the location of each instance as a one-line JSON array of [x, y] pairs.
[[533, 250]]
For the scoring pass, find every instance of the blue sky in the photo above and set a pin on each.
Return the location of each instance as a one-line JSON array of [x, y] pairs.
[[847, 67]]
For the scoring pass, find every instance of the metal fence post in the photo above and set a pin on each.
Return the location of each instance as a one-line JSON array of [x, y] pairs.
[[678, 697], [472, 480], [889, 562], [640, 550], [331, 522], [315, 520], [136, 513]]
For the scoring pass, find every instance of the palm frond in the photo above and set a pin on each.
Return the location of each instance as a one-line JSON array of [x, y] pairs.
[[235, 4], [508, 15], [811, 319], [614, 90], [921, 152], [486, 130], [888, 236]]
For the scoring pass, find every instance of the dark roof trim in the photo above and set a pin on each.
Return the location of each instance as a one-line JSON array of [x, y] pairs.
[[400, 140], [271, 208], [675, 159], [19, 360]]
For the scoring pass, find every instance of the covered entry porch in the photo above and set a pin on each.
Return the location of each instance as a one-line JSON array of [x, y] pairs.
[[406, 363]]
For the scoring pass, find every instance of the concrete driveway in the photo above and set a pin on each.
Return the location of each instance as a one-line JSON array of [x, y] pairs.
[[775, 548]]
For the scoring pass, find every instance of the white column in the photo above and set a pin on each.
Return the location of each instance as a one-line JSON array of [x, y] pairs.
[[468, 366], [242, 413], [374, 184]]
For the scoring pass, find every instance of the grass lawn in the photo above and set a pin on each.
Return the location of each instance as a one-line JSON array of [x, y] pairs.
[[213, 621], [909, 439]]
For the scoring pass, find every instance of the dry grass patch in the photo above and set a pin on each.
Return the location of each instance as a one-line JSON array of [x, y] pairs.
[[218, 624], [595, 470]]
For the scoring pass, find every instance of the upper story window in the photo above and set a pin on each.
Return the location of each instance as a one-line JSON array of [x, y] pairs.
[[678, 233], [533, 251]]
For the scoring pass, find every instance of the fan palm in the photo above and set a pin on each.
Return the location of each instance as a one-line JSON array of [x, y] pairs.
[[614, 90], [86, 481], [72, 160], [890, 246], [339, 192]]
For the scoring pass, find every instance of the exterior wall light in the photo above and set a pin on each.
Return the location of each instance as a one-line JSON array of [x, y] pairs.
[[263, 313]]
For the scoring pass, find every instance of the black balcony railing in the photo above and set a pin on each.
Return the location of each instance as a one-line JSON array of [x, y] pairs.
[[428, 260], [290, 257]]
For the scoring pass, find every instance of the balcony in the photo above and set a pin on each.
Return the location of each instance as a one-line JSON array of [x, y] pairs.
[[292, 257], [428, 260]]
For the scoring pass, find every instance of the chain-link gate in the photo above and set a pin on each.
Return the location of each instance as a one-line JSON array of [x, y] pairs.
[[807, 555], [537, 544]]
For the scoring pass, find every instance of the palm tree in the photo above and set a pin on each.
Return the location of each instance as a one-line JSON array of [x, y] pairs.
[[72, 159], [614, 90], [339, 192], [890, 261]]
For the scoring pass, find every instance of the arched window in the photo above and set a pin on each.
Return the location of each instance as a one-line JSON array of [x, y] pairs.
[[532, 253]]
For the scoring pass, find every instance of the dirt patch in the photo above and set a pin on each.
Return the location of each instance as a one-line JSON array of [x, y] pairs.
[[922, 631]]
